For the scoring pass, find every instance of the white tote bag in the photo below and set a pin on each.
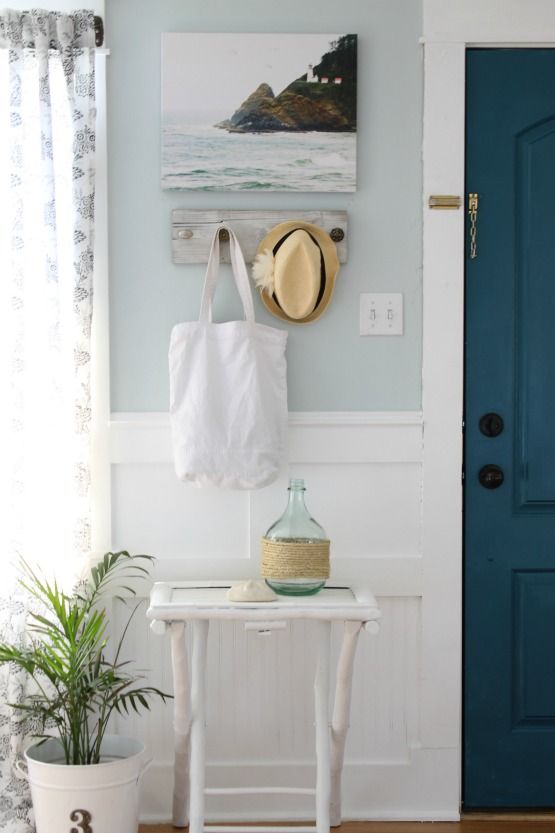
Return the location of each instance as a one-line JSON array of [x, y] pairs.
[[228, 390]]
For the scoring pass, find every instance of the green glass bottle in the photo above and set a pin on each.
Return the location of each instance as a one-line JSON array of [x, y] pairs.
[[295, 549]]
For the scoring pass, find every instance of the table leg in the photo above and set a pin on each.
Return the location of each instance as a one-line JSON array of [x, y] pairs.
[[181, 723], [341, 710], [198, 724], [321, 703]]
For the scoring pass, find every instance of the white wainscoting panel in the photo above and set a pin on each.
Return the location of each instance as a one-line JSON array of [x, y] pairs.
[[153, 512], [363, 474], [368, 509], [364, 480]]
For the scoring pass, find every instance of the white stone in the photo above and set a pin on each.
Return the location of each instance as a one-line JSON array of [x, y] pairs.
[[251, 591]]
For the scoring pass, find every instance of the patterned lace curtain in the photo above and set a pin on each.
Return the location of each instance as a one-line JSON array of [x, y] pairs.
[[47, 138]]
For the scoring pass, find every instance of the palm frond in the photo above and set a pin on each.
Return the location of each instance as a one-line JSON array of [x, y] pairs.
[[76, 688]]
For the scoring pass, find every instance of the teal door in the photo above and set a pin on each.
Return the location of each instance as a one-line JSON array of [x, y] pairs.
[[509, 693]]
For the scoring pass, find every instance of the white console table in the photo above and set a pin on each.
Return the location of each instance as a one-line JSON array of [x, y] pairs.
[[174, 604]]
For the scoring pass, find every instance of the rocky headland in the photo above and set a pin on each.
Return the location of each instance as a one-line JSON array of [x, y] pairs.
[[305, 105]]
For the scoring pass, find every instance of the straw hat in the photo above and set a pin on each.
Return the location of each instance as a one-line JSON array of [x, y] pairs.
[[295, 269]]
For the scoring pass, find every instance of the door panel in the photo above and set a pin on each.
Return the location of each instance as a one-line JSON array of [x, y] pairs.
[[535, 313], [509, 717], [533, 671]]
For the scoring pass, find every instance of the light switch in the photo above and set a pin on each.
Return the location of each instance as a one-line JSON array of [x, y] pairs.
[[381, 314]]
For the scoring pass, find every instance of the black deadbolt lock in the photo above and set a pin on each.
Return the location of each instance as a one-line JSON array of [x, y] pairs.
[[491, 425], [491, 477]]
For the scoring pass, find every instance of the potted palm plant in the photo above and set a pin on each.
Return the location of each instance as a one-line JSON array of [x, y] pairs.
[[81, 777]]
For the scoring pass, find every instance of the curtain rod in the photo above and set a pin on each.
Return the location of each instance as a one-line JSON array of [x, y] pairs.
[[98, 33]]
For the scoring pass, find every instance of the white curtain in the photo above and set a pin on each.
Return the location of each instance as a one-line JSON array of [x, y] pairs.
[[47, 139]]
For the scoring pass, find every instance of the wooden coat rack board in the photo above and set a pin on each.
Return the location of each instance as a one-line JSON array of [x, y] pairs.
[[192, 230]]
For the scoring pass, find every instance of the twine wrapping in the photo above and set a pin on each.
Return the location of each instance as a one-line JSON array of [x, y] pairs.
[[295, 559]]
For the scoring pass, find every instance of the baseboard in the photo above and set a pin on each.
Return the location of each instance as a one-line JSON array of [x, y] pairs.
[[432, 816], [508, 815], [417, 790]]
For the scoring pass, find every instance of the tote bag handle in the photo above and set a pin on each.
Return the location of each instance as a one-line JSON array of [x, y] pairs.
[[240, 276]]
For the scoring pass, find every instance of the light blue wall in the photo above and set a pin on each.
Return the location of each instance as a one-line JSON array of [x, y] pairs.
[[330, 366]]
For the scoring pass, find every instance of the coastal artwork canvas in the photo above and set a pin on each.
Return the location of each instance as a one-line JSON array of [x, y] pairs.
[[259, 112]]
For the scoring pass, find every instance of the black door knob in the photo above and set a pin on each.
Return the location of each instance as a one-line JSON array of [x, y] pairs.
[[491, 425], [491, 477]]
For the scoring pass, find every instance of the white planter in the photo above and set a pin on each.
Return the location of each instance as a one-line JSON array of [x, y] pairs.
[[98, 798]]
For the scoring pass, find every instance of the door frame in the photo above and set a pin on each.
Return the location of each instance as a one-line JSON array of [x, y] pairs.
[[448, 30]]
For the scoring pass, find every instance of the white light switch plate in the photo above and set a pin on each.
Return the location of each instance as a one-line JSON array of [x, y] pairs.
[[381, 314]]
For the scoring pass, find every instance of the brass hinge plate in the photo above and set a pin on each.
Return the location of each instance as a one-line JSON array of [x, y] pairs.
[[445, 202]]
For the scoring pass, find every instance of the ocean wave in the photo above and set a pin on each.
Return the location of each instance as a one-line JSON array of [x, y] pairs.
[[205, 159], [330, 160], [266, 186]]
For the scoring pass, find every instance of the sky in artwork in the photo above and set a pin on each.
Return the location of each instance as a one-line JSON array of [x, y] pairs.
[[217, 72]]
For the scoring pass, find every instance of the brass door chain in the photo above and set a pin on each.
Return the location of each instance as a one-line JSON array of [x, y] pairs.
[[473, 217]]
